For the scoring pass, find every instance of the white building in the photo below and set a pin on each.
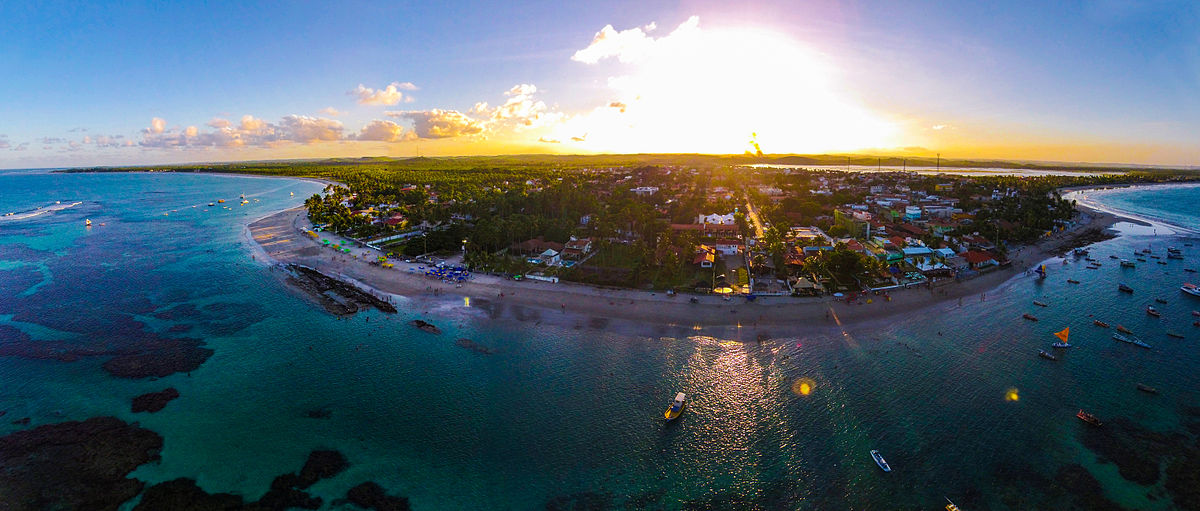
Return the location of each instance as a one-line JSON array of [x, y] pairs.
[[645, 190], [715, 219]]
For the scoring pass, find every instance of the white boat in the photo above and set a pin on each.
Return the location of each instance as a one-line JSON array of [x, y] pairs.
[[676, 408], [1131, 340], [1190, 289], [880, 461]]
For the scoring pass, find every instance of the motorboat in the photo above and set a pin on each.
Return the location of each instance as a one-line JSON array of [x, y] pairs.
[[1040, 304], [1131, 340], [1125, 263], [1072, 281], [950, 505], [1189, 270], [1089, 418], [676, 409], [1147, 389], [1174, 256], [1029, 316], [1152, 311], [883, 464], [1080, 251], [1176, 335], [1123, 330], [1046, 355], [1100, 323], [1124, 288], [1113, 257], [1190, 289], [1160, 300]]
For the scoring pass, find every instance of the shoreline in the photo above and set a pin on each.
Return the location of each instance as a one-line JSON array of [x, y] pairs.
[[280, 239]]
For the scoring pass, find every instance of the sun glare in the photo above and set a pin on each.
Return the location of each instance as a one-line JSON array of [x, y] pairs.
[[713, 91]]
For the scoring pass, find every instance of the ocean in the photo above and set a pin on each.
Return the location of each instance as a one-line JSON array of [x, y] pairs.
[[954, 397]]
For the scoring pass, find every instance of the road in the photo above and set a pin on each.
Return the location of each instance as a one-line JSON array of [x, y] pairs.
[[752, 216]]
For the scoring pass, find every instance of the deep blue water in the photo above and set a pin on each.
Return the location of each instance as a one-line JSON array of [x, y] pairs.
[[561, 413]]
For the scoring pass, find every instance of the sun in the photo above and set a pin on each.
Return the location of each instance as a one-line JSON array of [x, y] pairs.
[[712, 91]]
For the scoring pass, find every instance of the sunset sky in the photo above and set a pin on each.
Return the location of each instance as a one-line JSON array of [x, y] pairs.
[[143, 83]]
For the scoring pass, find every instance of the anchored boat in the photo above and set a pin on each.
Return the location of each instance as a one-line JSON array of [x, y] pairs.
[[1089, 418], [1124, 288], [676, 409], [880, 461], [1147, 389], [1100, 323], [1046, 355], [1190, 289]]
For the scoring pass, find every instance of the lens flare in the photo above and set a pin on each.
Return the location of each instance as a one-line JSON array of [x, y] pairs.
[[803, 386], [1012, 395]]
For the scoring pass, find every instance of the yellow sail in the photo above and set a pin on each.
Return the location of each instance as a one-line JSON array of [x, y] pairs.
[[1063, 334]]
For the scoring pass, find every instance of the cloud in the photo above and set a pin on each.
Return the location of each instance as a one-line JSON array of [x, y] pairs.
[[157, 125], [21, 147], [330, 111], [77, 130], [628, 46], [618, 105], [549, 140], [52, 140], [218, 123], [306, 130], [440, 123], [384, 131], [939, 127], [4, 144], [390, 95]]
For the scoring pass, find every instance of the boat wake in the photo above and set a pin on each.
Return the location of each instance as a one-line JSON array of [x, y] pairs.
[[38, 211]]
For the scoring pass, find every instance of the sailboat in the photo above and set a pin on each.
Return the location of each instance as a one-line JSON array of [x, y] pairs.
[[1062, 336], [1041, 271]]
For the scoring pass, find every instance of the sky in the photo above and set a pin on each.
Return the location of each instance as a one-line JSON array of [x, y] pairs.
[[144, 83]]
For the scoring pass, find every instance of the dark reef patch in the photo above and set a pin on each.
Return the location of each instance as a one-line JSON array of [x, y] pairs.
[[183, 495], [1138, 452], [370, 495], [74, 465], [154, 401], [142, 355], [337, 297]]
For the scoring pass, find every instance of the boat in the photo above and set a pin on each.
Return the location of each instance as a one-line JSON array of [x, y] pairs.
[[1100, 323], [1040, 304], [1189, 270], [676, 409], [211, 204], [1113, 257], [1173, 250], [87, 222], [1152, 311], [1141, 259], [1062, 337], [1041, 271], [1190, 289], [1029, 316], [1125, 263], [1164, 263], [950, 505], [880, 461], [1147, 389], [425, 326], [1131, 340], [1176, 335], [1174, 256], [1080, 251], [1072, 281], [1145, 251], [1046, 355], [1124, 288], [1196, 313], [1089, 418], [1160, 300], [220, 201], [1155, 257], [1122, 329]]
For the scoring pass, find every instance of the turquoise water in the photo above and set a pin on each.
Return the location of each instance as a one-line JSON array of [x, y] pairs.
[[573, 416]]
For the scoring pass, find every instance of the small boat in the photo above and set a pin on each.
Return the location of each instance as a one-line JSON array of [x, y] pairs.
[[1040, 304], [1164, 263], [87, 222], [1173, 250], [220, 201], [1189, 270], [1147, 389], [1174, 256], [1041, 271], [1089, 418], [1190, 289], [1137, 253], [1125, 263], [1131, 340], [1113, 257], [1029, 316], [1196, 313], [1160, 300], [1145, 251], [1196, 323], [1176, 335], [950, 505], [1141, 260], [880, 461], [1062, 338], [1155, 257], [1100, 323], [1072, 281], [1152, 311], [1092, 259], [1080, 251], [676, 409], [211, 204], [1046, 355], [1122, 329], [1124, 288]]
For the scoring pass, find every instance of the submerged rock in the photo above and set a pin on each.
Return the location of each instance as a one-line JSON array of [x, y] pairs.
[[74, 465], [322, 465], [154, 401], [183, 495], [370, 495], [426, 326], [474, 346], [1138, 452], [336, 296], [287, 490]]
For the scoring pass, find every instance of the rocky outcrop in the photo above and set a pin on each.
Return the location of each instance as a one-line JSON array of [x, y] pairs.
[[336, 296], [74, 465], [426, 327], [154, 401], [370, 495], [183, 495]]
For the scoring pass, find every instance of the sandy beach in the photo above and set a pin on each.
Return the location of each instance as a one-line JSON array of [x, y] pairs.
[[281, 238]]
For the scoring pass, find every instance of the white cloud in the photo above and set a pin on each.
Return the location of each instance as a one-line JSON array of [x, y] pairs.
[[219, 123], [629, 46], [389, 95], [330, 111], [440, 123], [21, 147], [157, 125], [384, 131], [306, 130]]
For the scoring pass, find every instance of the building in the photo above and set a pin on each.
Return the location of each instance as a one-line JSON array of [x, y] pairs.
[[856, 223], [645, 190], [977, 259], [716, 219], [912, 213], [583, 245], [705, 256], [728, 246]]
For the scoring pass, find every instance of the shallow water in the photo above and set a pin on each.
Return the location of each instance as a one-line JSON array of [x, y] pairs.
[[560, 415]]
